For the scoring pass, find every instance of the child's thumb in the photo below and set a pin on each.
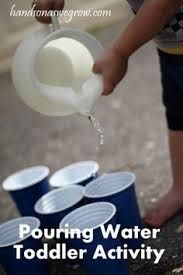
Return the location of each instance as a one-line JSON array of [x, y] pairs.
[[97, 68]]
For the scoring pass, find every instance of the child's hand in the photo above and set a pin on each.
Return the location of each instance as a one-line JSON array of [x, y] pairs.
[[47, 5], [113, 68]]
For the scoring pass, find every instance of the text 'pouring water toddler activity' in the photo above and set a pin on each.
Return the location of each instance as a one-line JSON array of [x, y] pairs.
[[73, 200]]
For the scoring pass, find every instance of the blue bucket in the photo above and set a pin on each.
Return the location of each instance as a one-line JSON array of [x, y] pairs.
[[9, 236], [26, 187], [55, 205], [92, 216], [77, 173], [118, 188]]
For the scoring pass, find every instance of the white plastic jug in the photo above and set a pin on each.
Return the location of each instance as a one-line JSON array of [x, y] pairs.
[[67, 85]]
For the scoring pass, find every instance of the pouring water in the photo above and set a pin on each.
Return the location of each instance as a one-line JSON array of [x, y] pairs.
[[96, 125], [54, 92]]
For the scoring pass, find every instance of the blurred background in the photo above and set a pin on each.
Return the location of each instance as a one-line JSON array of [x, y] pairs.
[[132, 118]]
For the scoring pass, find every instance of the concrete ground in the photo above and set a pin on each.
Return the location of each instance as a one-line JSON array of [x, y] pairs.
[[135, 140]]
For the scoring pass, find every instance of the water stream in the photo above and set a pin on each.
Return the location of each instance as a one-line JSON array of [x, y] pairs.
[[96, 125]]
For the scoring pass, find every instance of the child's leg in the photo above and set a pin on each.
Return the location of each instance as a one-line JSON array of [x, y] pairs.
[[172, 203], [172, 80]]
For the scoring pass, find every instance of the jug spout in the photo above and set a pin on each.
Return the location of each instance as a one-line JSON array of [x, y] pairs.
[[91, 90]]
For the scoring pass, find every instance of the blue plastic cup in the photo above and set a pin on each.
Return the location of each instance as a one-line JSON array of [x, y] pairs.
[[118, 188], [9, 236], [26, 187], [92, 216], [55, 205], [77, 173]]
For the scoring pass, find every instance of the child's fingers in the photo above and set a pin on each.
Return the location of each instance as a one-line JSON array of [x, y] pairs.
[[108, 80], [43, 5], [110, 77], [109, 84], [97, 68], [47, 5], [59, 5]]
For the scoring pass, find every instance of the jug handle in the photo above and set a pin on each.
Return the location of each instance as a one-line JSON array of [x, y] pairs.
[[55, 23]]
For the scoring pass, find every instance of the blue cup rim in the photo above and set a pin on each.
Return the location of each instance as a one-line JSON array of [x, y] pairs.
[[74, 213], [23, 220], [102, 179], [55, 191], [53, 181], [10, 185]]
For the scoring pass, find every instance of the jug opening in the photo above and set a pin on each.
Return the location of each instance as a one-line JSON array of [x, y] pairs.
[[64, 62]]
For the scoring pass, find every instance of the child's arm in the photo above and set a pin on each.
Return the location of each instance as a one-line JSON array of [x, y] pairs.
[[149, 21]]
